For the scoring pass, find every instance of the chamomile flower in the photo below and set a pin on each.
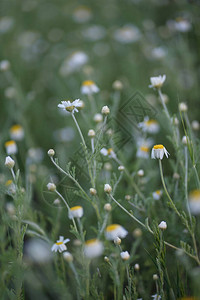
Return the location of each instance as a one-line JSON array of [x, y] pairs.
[[60, 245], [115, 230], [89, 87], [9, 162], [17, 132], [158, 151], [10, 186], [11, 147], [108, 152], [73, 63], [149, 126], [194, 202], [75, 212], [157, 194], [127, 34], [93, 248], [143, 152], [157, 82], [70, 106]]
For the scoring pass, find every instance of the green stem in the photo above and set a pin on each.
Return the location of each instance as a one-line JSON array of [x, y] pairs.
[[163, 104]]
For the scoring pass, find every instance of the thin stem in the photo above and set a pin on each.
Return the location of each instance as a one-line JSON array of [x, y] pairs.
[[163, 104], [103, 225], [197, 176], [186, 181], [124, 209], [76, 276], [117, 182], [163, 183], [79, 130], [13, 174], [65, 202], [101, 132], [78, 185]]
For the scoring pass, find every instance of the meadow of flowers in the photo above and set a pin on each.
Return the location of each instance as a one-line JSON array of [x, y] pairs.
[[99, 143]]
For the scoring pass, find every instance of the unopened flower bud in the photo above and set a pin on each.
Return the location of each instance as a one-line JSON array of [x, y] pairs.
[[155, 277], [117, 85], [121, 168], [117, 241], [137, 232], [9, 162], [195, 125], [91, 133], [105, 110], [51, 187], [128, 197], [140, 172], [67, 256], [107, 207], [137, 267], [106, 259], [56, 202], [184, 140], [163, 225], [125, 255], [51, 152], [107, 188], [98, 118], [93, 192], [176, 176], [183, 107], [108, 166]]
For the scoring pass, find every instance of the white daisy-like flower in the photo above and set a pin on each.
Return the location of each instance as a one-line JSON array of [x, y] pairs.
[[70, 106], [75, 212], [127, 34], [149, 126], [158, 151], [156, 297], [17, 132], [157, 194], [11, 147], [93, 248], [10, 186], [143, 152], [114, 231], [60, 245], [89, 87], [73, 63], [125, 255], [157, 82], [194, 202], [108, 152]]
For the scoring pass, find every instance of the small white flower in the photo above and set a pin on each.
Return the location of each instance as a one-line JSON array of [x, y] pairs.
[[157, 82], [158, 151], [121, 168], [93, 191], [9, 162], [194, 202], [143, 152], [117, 85], [51, 152], [115, 230], [91, 133], [4, 65], [11, 147], [108, 152], [73, 63], [51, 187], [185, 140], [107, 207], [125, 255], [89, 87], [117, 241], [163, 225], [70, 106], [11, 187], [127, 34], [140, 173], [38, 251], [156, 297], [17, 132], [93, 248], [155, 277], [82, 14], [137, 267], [75, 212], [60, 245], [157, 195], [107, 188], [149, 126], [195, 125]]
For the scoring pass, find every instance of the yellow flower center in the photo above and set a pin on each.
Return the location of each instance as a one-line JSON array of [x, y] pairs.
[[195, 195], [158, 192], [151, 122], [158, 147], [75, 207], [144, 148], [110, 150], [15, 128], [112, 227], [9, 143], [88, 83], [90, 242], [9, 182], [59, 243], [70, 108]]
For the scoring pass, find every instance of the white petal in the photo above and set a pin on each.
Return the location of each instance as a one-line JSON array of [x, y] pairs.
[[66, 241]]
